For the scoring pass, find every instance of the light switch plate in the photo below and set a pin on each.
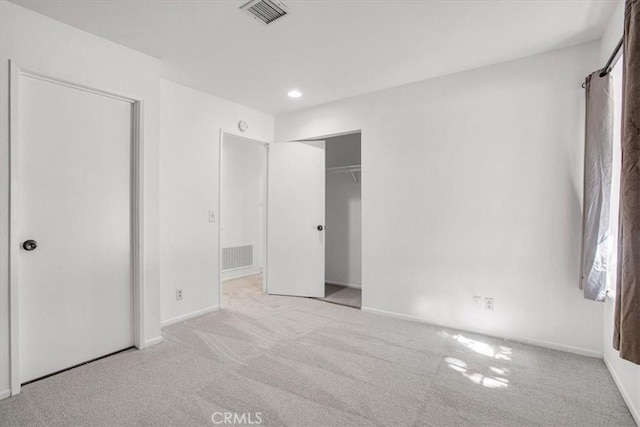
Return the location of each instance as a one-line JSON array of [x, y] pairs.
[[212, 216]]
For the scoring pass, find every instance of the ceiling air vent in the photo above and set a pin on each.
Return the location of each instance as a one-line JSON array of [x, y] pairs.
[[267, 11]]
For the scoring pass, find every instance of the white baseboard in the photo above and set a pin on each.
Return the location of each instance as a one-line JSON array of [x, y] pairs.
[[240, 273], [633, 408], [191, 315], [538, 343], [152, 341], [346, 285], [5, 393]]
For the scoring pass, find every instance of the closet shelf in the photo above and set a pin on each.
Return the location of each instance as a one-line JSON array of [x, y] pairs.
[[347, 169]]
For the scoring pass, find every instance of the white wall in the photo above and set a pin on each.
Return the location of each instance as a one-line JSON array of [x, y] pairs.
[[189, 161], [243, 200], [38, 42], [626, 374], [343, 248], [472, 185]]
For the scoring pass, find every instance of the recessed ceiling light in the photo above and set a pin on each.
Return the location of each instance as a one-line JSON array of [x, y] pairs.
[[294, 93]]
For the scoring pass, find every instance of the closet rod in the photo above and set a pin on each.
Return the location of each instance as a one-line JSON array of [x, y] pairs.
[[355, 168], [347, 169]]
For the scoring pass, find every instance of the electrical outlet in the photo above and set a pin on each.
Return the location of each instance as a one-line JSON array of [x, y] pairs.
[[178, 294], [488, 304]]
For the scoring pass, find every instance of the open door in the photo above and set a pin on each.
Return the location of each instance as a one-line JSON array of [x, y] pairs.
[[295, 219]]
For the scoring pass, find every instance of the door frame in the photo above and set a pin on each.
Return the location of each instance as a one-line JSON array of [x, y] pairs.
[[137, 210], [224, 133]]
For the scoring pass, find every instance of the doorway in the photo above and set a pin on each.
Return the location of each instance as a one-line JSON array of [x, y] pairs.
[[314, 227], [242, 218], [343, 238]]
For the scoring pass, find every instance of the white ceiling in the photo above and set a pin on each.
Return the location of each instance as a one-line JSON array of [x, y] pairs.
[[329, 49]]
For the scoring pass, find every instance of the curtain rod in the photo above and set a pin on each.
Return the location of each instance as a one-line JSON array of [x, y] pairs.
[[611, 62], [612, 59]]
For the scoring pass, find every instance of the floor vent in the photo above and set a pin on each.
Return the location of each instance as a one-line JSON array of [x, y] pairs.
[[267, 11], [237, 257]]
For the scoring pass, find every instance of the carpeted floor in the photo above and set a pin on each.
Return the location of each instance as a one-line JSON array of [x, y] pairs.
[[342, 295], [303, 362]]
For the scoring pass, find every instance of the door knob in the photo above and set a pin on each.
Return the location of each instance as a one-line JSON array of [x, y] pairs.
[[320, 228], [30, 245]]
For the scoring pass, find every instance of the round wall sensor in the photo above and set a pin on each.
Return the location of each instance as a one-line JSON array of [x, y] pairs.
[[243, 126]]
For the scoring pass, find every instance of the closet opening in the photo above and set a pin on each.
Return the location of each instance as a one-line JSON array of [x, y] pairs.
[[242, 219], [343, 232]]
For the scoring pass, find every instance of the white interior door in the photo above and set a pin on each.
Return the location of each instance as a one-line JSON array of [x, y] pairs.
[[74, 200], [295, 219]]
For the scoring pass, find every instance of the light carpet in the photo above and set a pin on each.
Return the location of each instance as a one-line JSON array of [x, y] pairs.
[[303, 362]]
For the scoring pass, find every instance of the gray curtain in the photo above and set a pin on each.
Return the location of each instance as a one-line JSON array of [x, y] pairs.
[[626, 337], [597, 186]]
